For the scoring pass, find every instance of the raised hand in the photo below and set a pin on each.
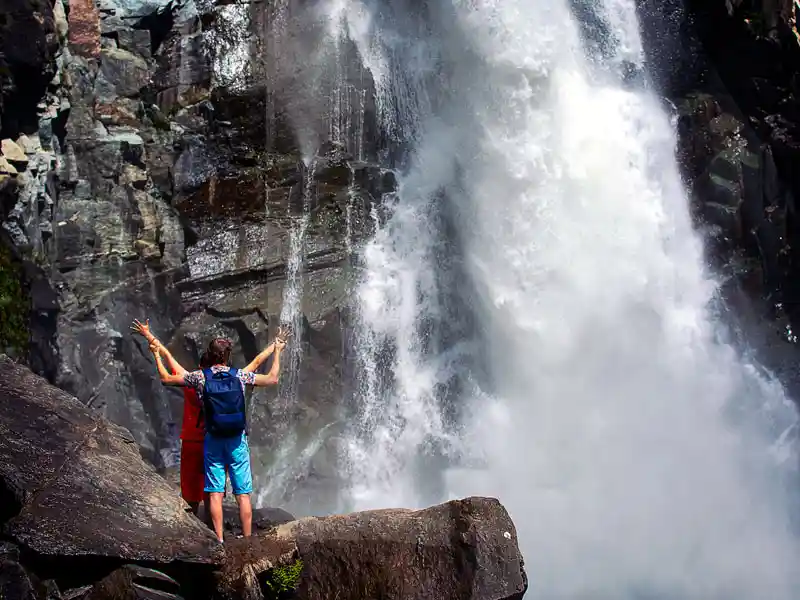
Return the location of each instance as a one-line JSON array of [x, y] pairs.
[[142, 329], [282, 337]]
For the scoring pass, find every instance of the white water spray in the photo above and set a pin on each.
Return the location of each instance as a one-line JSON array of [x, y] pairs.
[[634, 448], [291, 309], [275, 476]]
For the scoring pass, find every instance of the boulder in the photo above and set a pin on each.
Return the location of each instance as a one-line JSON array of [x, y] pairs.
[[133, 582], [73, 485], [461, 550], [248, 564], [15, 583], [13, 153]]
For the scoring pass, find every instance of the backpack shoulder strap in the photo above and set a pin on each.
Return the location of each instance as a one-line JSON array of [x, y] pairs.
[[207, 374], [233, 371], [198, 397]]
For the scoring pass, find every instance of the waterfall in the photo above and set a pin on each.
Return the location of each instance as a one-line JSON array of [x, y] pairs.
[[535, 321], [291, 454], [291, 309]]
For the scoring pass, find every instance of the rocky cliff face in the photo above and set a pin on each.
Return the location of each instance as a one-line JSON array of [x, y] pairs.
[[730, 69], [154, 166]]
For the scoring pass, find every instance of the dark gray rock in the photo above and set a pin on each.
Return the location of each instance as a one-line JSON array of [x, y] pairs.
[[48, 590], [9, 551], [750, 79], [15, 583], [138, 41], [133, 582], [79, 487], [264, 519], [122, 73]]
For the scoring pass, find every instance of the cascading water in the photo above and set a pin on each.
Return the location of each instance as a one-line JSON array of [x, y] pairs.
[[274, 483], [313, 86], [639, 454], [291, 310]]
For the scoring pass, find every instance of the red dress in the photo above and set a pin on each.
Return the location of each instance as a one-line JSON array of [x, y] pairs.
[[192, 435]]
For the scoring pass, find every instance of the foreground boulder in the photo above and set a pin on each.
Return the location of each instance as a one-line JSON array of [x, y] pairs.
[[133, 582], [460, 550], [73, 485], [15, 583]]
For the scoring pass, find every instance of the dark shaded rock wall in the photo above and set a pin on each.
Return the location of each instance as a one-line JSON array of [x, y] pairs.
[[730, 70], [171, 152]]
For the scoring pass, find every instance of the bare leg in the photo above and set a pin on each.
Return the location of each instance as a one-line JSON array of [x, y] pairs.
[[215, 501], [245, 514], [207, 508]]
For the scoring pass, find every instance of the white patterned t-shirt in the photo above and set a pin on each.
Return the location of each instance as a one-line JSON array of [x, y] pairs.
[[197, 380]]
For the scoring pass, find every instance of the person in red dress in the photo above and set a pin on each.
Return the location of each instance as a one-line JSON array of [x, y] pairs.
[[192, 469], [192, 435]]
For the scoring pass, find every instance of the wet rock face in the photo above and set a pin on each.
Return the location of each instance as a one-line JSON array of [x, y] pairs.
[[159, 172], [736, 112], [738, 144]]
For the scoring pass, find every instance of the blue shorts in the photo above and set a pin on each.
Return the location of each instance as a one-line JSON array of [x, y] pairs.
[[233, 453]]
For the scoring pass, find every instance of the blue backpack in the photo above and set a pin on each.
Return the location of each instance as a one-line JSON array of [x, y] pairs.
[[223, 403]]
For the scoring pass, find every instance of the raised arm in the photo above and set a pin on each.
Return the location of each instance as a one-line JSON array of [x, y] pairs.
[[271, 378], [174, 366], [167, 378], [260, 358], [157, 348], [266, 352]]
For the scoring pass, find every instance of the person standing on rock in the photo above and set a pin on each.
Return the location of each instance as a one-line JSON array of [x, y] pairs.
[[192, 469], [222, 390]]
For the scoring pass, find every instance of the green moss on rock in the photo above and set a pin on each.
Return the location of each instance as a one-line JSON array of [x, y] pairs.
[[14, 306], [281, 581]]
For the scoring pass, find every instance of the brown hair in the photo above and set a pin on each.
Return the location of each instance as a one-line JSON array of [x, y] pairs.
[[204, 364], [219, 352]]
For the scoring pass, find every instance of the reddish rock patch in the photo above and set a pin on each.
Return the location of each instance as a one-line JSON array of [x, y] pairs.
[[84, 28]]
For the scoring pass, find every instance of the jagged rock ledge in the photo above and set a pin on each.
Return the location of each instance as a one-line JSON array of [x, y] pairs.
[[84, 517]]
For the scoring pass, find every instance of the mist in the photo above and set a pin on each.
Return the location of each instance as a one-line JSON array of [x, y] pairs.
[[639, 453]]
